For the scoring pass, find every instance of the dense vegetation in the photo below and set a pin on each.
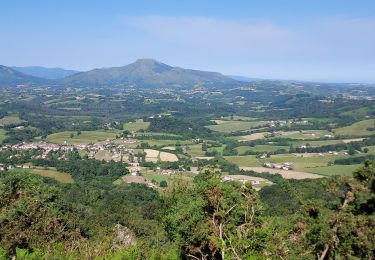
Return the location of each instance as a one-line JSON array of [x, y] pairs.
[[207, 219]]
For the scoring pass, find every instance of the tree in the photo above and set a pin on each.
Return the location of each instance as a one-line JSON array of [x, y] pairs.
[[212, 219], [163, 184]]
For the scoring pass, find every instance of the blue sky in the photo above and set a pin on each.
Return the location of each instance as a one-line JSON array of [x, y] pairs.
[[322, 40]]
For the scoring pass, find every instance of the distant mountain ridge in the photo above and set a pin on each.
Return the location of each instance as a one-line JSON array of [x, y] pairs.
[[46, 73], [9, 76], [148, 73]]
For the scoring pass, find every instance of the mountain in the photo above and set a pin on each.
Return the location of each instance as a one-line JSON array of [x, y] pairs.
[[10, 76], [46, 73], [244, 79], [148, 73]]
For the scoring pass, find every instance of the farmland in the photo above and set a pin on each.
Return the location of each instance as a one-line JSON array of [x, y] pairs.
[[85, 137], [52, 173], [10, 120], [357, 129], [2, 135], [139, 124], [228, 126]]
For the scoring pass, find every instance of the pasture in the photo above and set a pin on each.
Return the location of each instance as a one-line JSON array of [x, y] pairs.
[[261, 148], [155, 155], [342, 170], [357, 129], [286, 174], [10, 120], [139, 124], [54, 174], [86, 137], [252, 137], [2, 135], [233, 126], [248, 160]]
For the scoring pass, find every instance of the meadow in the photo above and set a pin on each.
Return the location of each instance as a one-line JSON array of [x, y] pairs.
[[139, 124], [86, 137], [2, 135], [10, 120], [233, 126], [357, 129]]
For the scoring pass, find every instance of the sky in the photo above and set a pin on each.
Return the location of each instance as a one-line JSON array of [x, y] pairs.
[[312, 40]]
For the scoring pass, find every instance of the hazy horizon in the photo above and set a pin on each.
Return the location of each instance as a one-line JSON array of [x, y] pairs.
[[316, 41]]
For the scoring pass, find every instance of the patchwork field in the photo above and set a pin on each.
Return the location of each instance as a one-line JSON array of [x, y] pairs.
[[233, 126], [286, 174], [85, 137], [261, 148], [252, 137], [358, 128], [157, 142], [306, 134], [136, 126], [155, 155]]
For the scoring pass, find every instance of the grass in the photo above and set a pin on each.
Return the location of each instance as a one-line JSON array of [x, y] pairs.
[[156, 142], [10, 120], [2, 135], [317, 143], [304, 164], [243, 118], [248, 160], [85, 137], [359, 112], [233, 126], [168, 178], [195, 150], [342, 170], [52, 173], [261, 148], [357, 129], [306, 134], [139, 124], [371, 149]]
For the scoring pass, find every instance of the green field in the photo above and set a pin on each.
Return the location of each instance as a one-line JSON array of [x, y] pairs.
[[248, 160], [168, 178], [136, 126], [195, 150], [371, 149], [303, 163], [85, 137], [239, 118], [2, 135], [10, 120], [342, 170], [157, 142], [52, 173], [358, 128], [233, 126], [316, 143], [261, 148], [359, 112]]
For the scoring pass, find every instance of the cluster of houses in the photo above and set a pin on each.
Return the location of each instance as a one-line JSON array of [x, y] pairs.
[[4, 167], [282, 166], [274, 123], [241, 178], [91, 149]]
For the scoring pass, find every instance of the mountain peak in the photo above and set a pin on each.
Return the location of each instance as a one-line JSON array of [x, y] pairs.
[[146, 61], [149, 73]]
